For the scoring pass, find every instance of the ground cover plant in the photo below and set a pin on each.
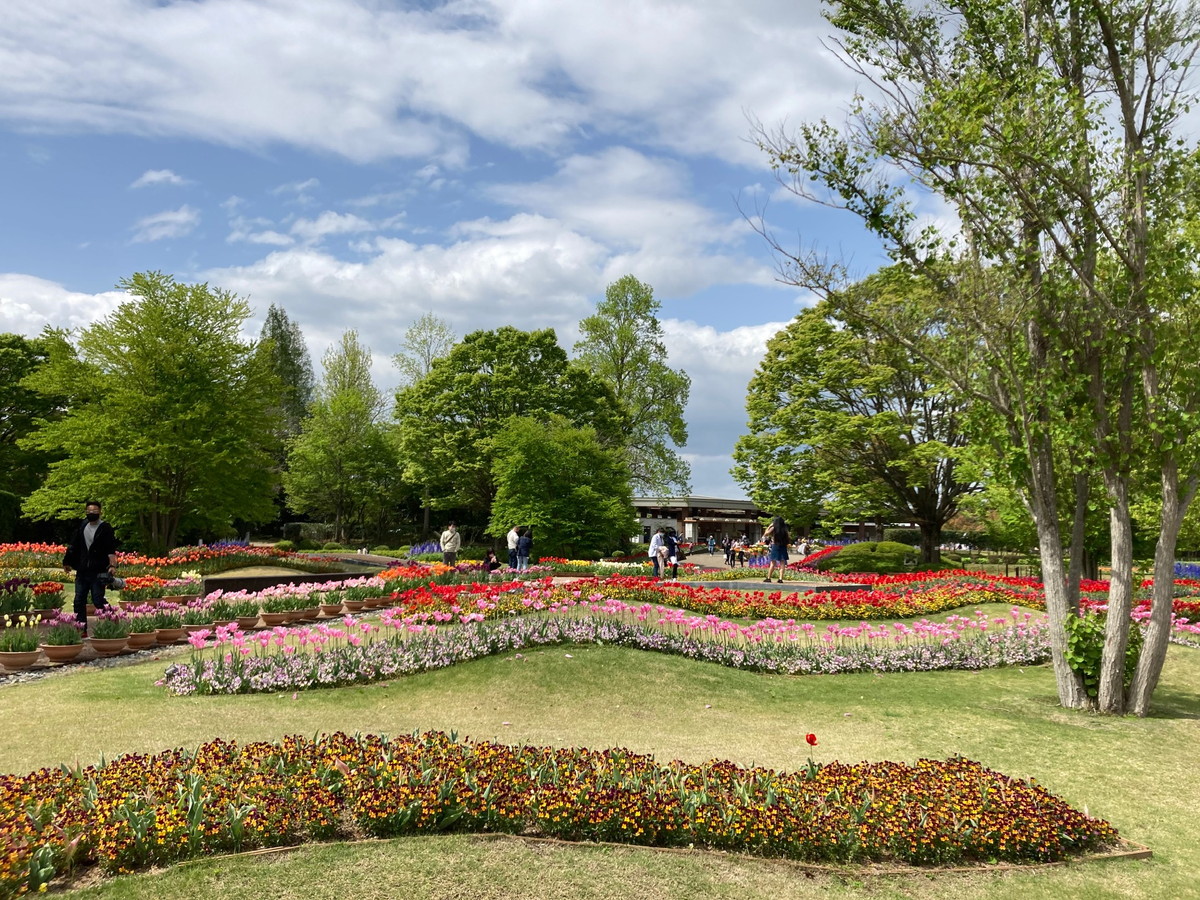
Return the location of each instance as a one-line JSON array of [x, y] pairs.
[[138, 810]]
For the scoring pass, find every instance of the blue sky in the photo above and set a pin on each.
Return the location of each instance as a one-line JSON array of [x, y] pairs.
[[361, 163]]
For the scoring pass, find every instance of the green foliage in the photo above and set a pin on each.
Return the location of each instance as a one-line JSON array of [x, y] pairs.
[[1085, 647], [343, 464], [170, 416], [20, 409], [282, 344], [621, 344], [448, 420], [285, 545], [333, 545], [561, 480], [846, 421], [428, 339]]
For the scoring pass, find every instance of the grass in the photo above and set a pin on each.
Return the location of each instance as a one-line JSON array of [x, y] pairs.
[[1137, 773]]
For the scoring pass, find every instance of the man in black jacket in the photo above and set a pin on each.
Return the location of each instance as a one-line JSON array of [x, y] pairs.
[[92, 551]]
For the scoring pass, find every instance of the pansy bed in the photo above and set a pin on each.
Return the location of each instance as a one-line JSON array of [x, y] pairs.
[[139, 811]]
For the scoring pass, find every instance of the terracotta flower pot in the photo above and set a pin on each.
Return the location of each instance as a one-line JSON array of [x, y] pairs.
[[140, 640], [331, 609], [107, 646], [354, 605], [192, 629], [169, 635], [15, 660], [61, 653], [273, 619], [247, 622]]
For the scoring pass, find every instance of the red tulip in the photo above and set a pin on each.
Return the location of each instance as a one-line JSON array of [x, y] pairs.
[[812, 739]]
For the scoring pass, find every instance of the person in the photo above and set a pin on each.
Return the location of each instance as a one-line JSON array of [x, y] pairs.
[[727, 544], [513, 537], [490, 563], [91, 553], [777, 540], [671, 540], [712, 545], [656, 546], [451, 543], [739, 547], [524, 548]]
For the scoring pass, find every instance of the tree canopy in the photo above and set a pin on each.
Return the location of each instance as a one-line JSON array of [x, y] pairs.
[[845, 420], [447, 419], [283, 344], [170, 416], [562, 481], [20, 410], [622, 345]]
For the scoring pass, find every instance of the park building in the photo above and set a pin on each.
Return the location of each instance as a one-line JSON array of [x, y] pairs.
[[695, 518]]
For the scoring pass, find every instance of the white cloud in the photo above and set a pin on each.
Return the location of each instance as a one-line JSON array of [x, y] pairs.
[[371, 81], [329, 222], [158, 176], [28, 304], [171, 223]]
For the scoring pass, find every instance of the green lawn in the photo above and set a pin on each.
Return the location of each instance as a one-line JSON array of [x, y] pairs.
[[1138, 774]]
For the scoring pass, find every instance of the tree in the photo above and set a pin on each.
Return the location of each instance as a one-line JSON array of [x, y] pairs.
[[1063, 309], [565, 483], [427, 340], [622, 345], [343, 464], [447, 419], [20, 408], [282, 342], [170, 416], [856, 422]]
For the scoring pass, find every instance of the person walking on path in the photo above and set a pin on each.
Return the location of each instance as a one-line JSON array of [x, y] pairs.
[[524, 548], [657, 546], [727, 544], [451, 543], [91, 553], [514, 538], [776, 537]]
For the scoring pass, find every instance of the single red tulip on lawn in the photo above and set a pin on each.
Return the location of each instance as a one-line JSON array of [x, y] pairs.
[[812, 739]]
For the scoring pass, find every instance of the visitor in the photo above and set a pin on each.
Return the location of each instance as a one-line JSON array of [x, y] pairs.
[[671, 542], [451, 542], [739, 547], [490, 562], [524, 548], [727, 544], [92, 553], [657, 546], [712, 545], [513, 537], [776, 538]]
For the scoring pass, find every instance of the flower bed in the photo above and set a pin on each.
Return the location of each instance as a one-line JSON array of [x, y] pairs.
[[203, 560], [138, 811], [357, 653]]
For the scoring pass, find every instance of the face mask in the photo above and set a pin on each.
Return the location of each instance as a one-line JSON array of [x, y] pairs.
[[93, 517]]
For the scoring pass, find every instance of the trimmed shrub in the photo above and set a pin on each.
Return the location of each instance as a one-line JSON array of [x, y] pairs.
[[332, 545], [285, 545], [883, 558]]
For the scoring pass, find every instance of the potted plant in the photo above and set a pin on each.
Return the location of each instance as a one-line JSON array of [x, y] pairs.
[[16, 597], [277, 610], [110, 633], [142, 627], [19, 642], [63, 640], [245, 612], [47, 598], [331, 603], [168, 624]]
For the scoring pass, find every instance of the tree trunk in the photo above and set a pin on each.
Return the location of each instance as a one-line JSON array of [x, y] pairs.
[[1120, 601], [1043, 503], [1078, 536], [1154, 650], [931, 542]]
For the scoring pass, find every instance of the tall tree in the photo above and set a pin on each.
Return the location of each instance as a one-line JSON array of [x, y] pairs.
[[851, 418], [1048, 127], [20, 409], [448, 418], [169, 415], [342, 465], [561, 480], [427, 340], [283, 344], [622, 345]]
